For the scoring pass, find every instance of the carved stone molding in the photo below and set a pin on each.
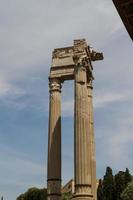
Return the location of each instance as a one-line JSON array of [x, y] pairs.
[[54, 187], [54, 85], [65, 59]]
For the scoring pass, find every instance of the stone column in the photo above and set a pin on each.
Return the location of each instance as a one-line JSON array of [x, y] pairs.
[[54, 141], [92, 137], [82, 144]]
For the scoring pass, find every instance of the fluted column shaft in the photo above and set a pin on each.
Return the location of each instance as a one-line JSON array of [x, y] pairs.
[[81, 146], [54, 141], [92, 137]]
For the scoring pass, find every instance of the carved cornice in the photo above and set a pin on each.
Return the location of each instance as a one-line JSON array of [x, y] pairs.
[[65, 60]]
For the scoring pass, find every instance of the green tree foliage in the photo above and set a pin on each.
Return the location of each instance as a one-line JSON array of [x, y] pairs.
[[119, 184], [121, 181], [127, 194], [108, 185], [128, 177], [112, 187], [66, 196], [21, 197], [34, 194], [100, 191]]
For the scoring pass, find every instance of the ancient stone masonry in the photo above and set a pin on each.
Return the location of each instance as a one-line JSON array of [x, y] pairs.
[[73, 63]]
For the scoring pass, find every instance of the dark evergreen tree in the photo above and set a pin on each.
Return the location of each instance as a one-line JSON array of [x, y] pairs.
[[100, 191], [119, 184], [128, 177], [127, 194], [108, 185]]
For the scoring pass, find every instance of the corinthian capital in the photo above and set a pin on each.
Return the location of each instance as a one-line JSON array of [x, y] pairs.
[[54, 85]]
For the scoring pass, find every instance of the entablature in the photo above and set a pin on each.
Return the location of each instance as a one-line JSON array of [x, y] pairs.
[[65, 59]]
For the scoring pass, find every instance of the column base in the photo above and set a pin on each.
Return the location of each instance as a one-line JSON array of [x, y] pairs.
[[54, 189], [82, 197]]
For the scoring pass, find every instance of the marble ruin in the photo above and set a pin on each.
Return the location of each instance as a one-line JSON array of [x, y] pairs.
[[73, 63]]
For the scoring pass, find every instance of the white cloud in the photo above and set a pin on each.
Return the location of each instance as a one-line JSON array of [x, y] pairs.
[[18, 170], [31, 30], [114, 139], [108, 98], [10, 90], [4, 88], [119, 145], [100, 101]]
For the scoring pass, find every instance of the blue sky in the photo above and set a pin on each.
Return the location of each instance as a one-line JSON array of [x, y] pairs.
[[30, 30]]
